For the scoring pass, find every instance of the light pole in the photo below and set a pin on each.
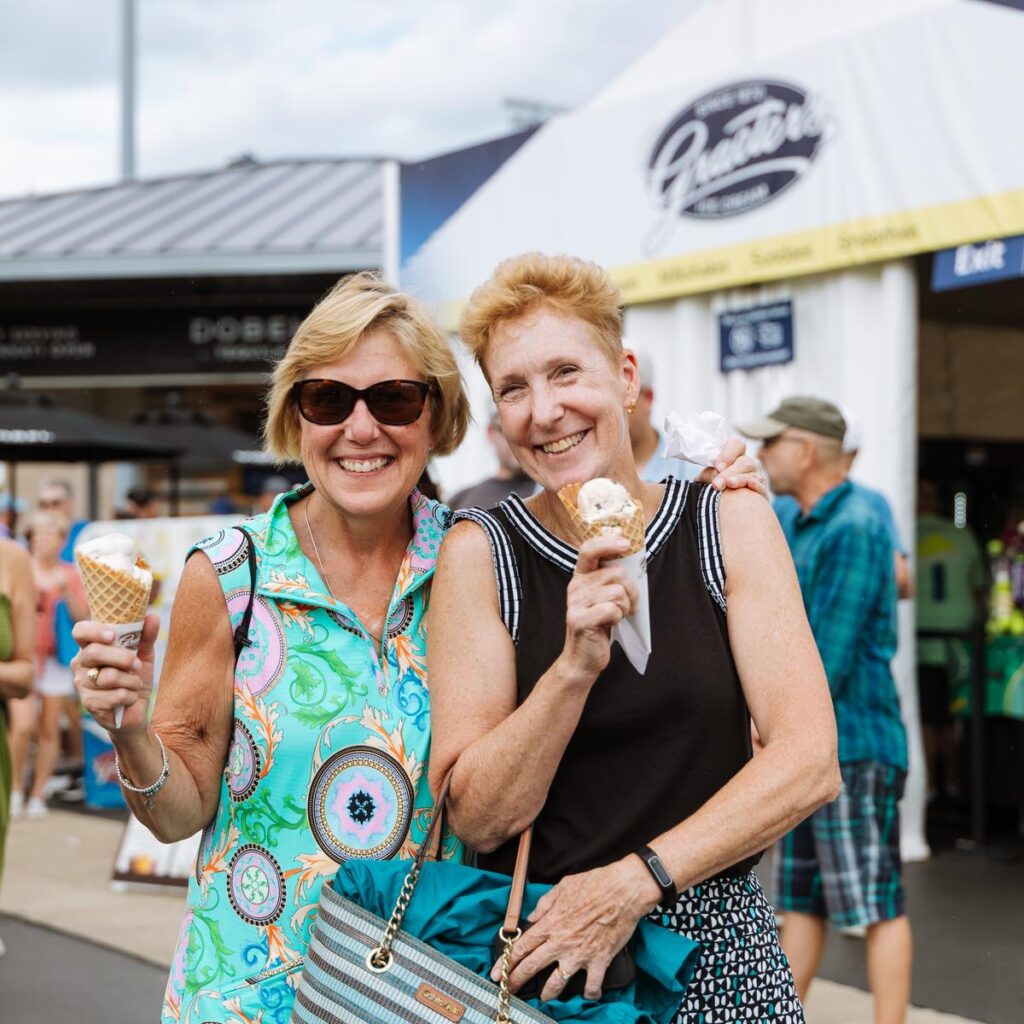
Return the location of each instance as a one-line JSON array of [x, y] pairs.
[[127, 89]]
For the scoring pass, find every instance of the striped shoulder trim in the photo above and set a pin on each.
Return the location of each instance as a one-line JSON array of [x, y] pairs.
[[709, 543], [506, 571], [668, 515], [538, 537], [564, 556]]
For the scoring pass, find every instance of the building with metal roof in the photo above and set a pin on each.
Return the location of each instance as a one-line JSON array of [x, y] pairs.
[[279, 217]]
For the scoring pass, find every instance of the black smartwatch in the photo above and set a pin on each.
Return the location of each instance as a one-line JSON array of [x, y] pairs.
[[669, 892]]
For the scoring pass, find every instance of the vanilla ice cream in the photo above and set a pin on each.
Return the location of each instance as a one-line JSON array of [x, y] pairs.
[[117, 551], [600, 507], [601, 498]]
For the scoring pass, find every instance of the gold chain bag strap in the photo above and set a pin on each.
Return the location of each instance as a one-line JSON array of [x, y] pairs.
[[359, 967]]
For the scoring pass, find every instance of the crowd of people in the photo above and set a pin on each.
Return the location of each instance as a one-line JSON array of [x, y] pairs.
[[295, 727]]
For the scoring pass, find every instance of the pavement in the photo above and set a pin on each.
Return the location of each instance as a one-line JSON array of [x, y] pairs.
[[72, 939], [48, 977]]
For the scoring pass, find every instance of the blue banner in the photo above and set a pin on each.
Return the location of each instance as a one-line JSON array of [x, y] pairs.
[[433, 190], [997, 259], [758, 336]]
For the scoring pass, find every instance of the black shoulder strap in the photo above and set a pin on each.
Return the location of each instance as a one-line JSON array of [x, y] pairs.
[[242, 629]]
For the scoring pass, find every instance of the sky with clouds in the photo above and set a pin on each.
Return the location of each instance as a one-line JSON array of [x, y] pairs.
[[219, 78]]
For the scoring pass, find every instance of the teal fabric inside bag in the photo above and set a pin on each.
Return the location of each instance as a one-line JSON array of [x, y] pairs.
[[458, 909]]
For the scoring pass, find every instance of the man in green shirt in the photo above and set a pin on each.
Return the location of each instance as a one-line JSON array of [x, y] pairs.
[[950, 595]]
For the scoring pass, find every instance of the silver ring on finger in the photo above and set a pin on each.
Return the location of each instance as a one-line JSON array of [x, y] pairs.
[[564, 975], [93, 674]]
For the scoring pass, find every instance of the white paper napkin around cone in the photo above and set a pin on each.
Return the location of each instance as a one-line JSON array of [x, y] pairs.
[[699, 438], [633, 633]]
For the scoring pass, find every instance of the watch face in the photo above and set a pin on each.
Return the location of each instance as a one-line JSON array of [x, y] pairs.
[[663, 877]]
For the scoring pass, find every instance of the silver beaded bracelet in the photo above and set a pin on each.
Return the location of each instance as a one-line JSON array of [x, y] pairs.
[[146, 792]]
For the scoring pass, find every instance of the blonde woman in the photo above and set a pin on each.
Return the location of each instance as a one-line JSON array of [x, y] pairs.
[[311, 747]]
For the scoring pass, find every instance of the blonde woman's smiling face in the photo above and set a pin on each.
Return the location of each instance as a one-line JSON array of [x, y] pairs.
[[561, 400], [361, 466]]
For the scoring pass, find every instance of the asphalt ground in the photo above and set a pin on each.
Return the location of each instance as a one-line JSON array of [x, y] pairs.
[[47, 977], [967, 914]]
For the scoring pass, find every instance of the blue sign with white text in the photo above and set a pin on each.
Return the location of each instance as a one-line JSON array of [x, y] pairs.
[[997, 259], [758, 336]]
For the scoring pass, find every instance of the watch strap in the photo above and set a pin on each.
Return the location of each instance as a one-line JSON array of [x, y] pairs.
[[661, 875]]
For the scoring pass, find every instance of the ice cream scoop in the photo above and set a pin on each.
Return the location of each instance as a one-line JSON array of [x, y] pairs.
[[117, 551], [600, 507], [601, 498]]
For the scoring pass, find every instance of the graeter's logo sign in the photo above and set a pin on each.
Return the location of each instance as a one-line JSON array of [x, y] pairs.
[[731, 151]]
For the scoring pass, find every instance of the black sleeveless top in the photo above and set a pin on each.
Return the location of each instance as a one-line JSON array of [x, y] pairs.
[[648, 750]]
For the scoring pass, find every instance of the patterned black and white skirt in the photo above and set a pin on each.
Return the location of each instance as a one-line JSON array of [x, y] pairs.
[[743, 975]]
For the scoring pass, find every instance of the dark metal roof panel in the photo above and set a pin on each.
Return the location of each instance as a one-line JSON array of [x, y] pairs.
[[353, 224], [98, 231], [179, 221], [20, 218], [295, 224], [281, 207], [147, 224]]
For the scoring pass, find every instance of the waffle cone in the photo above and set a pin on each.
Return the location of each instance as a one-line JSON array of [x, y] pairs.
[[629, 526], [114, 597]]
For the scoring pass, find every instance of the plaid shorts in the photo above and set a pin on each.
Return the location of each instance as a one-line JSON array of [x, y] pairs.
[[843, 862]]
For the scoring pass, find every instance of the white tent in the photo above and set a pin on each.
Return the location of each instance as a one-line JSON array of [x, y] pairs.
[[790, 149]]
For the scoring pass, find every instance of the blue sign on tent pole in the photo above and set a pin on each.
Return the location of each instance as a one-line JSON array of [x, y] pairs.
[[997, 259], [756, 336]]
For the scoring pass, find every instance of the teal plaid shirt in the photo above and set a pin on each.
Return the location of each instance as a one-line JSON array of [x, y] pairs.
[[844, 562]]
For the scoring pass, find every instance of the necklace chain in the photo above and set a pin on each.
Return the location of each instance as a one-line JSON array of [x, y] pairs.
[[316, 550], [323, 572]]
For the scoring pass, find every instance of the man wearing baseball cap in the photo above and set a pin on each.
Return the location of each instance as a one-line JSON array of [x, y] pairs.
[[788, 509], [842, 865]]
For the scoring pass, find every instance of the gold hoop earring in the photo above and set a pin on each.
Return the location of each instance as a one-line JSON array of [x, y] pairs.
[[631, 408]]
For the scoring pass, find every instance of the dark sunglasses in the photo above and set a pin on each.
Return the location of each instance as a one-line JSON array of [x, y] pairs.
[[395, 403]]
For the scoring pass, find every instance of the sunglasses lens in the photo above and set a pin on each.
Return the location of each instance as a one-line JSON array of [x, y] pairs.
[[325, 401], [396, 402]]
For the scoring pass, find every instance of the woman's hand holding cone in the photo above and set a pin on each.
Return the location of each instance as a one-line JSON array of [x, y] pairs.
[[600, 595], [123, 677]]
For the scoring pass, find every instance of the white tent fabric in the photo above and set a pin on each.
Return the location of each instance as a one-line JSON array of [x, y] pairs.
[[856, 345], [719, 34]]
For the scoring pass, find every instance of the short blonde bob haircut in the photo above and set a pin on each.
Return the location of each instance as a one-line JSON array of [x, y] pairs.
[[526, 283], [354, 307]]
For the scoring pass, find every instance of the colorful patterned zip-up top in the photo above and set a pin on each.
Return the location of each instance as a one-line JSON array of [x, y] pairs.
[[327, 762]]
